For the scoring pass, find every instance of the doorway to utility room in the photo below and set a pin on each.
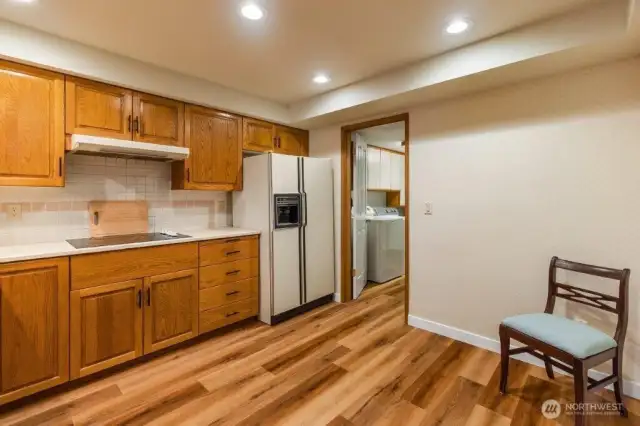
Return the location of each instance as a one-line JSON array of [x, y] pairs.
[[375, 205]]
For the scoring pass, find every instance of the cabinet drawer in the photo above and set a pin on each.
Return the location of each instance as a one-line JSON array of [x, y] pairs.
[[215, 252], [211, 276], [228, 314], [215, 297], [92, 270]]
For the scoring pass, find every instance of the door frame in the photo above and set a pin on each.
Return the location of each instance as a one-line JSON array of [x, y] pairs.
[[346, 278]]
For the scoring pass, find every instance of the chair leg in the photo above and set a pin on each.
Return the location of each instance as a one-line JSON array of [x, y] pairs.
[[549, 368], [504, 359], [581, 381], [617, 386]]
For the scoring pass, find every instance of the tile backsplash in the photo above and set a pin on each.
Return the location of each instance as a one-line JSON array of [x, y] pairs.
[[55, 214]]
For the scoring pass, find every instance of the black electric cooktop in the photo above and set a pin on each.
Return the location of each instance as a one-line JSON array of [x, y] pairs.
[[117, 240]]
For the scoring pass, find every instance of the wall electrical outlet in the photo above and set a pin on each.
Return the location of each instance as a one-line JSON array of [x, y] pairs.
[[14, 212]]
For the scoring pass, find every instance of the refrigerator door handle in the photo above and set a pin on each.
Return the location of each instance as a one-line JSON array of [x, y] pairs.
[[304, 209]]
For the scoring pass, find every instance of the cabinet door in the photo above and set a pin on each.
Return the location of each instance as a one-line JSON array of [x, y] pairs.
[[215, 161], [31, 126], [257, 135], [106, 326], [385, 169], [171, 310], [98, 109], [373, 168], [34, 327], [397, 171], [158, 120], [290, 141]]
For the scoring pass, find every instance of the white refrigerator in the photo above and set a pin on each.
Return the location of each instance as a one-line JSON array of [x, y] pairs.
[[290, 200]]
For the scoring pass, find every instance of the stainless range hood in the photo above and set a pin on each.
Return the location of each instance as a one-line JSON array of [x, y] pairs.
[[117, 147]]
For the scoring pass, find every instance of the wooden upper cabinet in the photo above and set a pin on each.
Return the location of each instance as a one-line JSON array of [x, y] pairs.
[[34, 327], [98, 109], [106, 326], [291, 141], [171, 309], [31, 126], [257, 135], [215, 160], [158, 120]]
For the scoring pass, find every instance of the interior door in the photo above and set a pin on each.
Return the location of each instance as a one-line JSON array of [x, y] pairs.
[[171, 309], [358, 220], [317, 225]]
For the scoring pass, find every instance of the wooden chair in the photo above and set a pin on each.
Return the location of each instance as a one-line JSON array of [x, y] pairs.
[[569, 345]]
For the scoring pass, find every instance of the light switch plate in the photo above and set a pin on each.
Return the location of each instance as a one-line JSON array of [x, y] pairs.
[[428, 208]]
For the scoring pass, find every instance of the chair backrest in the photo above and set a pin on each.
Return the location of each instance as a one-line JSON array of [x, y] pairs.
[[617, 305]]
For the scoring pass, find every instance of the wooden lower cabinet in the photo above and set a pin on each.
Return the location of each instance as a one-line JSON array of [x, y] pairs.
[[214, 275], [59, 319], [228, 287], [213, 319], [34, 327], [171, 309], [224, 294], [106, 326], [221, 251]]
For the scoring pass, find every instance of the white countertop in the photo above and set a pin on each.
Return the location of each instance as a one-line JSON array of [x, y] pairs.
[[60, 249]]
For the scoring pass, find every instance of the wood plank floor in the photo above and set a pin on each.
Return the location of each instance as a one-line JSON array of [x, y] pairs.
[[351, 364]]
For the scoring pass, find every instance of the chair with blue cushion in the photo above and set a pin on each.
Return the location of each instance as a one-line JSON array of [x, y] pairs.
[[570, 345]]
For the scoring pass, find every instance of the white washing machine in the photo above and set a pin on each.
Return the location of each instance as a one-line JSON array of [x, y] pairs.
[[385, 244]]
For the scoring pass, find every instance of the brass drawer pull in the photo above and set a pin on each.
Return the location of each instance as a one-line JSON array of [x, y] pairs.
[[231, 253], [237, 271], [231, 293], [232, 314]]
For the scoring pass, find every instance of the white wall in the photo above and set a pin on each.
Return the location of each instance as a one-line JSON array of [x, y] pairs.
[[517, 175]]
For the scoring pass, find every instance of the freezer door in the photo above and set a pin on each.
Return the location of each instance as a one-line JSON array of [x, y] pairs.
[[317, 221], [284, 174], [286, 270]]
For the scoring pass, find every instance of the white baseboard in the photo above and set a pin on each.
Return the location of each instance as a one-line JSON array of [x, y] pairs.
[[631, 388], [336, 297]]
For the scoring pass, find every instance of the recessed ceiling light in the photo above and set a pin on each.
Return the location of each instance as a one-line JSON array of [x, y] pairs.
[[321, 79], [252, 11], [457, 26]]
